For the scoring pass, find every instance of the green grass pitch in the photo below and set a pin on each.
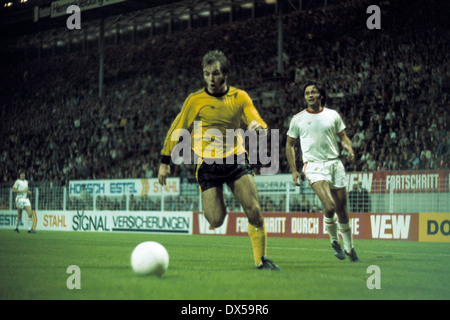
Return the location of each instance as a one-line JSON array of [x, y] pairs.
[[34, 266]]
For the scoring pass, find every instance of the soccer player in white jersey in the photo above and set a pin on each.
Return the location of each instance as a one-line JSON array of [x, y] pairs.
[[318, 129], [20, 187]]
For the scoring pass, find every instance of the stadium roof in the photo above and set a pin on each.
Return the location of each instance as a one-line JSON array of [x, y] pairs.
[[31, 23]]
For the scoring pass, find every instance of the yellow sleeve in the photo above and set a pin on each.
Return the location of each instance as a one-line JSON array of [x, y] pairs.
[[183, 121], [250, 113]]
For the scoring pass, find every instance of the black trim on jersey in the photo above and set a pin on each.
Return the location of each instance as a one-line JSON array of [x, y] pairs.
[[217, 95]]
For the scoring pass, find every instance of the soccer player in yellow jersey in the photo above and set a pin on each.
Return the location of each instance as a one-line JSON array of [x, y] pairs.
[[214, 111]]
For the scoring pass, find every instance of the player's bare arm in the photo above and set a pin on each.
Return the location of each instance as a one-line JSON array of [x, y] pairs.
[[347, 145], [163, 172], [15, 190], [290, 154]]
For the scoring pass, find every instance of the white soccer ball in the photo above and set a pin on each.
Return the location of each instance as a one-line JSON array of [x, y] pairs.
[[149, 258]]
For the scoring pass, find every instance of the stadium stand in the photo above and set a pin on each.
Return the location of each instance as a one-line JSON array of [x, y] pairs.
[[391, 86]]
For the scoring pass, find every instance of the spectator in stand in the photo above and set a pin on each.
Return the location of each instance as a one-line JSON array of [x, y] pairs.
[[356, 143], [392, 163], [442, 149], [390, 117], [354, 199], [413, 162], [371, 163], [431, 163]]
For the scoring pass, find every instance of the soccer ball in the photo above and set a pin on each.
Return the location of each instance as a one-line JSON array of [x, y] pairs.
[[149, 258]]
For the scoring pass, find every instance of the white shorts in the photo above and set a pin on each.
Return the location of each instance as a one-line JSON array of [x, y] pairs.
[[22, 203], [332, 171]]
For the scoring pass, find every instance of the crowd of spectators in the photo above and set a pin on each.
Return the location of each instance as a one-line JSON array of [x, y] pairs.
[[390, 86]]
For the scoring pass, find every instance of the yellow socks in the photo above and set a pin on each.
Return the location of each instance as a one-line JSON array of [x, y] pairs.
[[258, 236]]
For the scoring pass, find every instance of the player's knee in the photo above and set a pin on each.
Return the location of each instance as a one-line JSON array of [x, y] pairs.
[[214, 221], [253, 208], [254, 215], [329, 209]]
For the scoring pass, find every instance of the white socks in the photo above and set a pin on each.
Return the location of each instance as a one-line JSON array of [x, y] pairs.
[[29, 223], [332, 225], [346, 232]]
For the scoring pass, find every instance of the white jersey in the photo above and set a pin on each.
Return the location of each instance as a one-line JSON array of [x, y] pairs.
[[318, 134], [22, 187]]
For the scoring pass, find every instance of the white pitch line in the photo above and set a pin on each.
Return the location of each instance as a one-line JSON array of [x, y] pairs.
[[362, 251], [445, 255]]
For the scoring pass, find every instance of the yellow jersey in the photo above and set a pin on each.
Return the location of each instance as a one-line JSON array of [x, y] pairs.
[[214, 118]]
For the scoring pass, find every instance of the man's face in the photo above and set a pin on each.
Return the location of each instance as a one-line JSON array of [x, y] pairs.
[[312, 96], [22, 176], [214, 78]]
